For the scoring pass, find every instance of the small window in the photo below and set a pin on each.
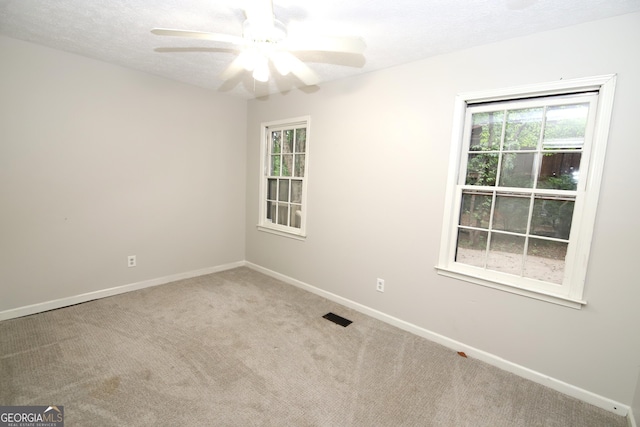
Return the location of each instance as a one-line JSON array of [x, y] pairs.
[[523, 190], [283, 189]]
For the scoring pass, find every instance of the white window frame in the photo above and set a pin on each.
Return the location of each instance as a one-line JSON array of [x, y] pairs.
[[570, 293], [264, 224]]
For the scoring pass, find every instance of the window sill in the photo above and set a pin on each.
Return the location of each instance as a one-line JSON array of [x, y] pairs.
[[282, 233], [539, 295]]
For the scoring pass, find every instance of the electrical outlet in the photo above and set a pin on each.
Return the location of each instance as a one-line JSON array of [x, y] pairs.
[[131, 261], [380, 285]]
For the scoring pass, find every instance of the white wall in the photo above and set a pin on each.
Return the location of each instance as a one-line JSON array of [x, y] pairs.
[[379, 157], [98, 162]]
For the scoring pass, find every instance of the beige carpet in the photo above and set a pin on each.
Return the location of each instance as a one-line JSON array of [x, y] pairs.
[[238, 348]]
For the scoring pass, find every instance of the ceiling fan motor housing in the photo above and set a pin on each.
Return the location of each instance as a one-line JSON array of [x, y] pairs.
[[269, 32]]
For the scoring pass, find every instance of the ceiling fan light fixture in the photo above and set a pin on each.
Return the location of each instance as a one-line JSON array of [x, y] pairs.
[[248, 59], [282, 62], [261, 69]]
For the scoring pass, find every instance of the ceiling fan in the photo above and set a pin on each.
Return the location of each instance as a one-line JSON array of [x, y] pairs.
[[265, 41]]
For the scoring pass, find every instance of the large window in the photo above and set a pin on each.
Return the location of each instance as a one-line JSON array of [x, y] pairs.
[[283, 186], [524, 187]]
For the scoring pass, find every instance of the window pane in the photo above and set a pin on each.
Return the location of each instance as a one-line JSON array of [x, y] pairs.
[[287, 164], [296, 215], [506, 253], [472, 247], [517, 170], [287, 146], [486, 131], [552, 217], [275, 165], [476, 208], [283, 214], [565, 126], [523, 129], [283, 194], [482, 169], [299, 170], [511, 213], [272, 188], [275, 142], [296, 191], [545, 260], [559, 171], [301, 140], [271, 211]]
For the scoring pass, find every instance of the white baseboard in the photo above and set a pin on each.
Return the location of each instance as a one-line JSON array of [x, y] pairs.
[[631, 419], [77, 299], [537, 377]]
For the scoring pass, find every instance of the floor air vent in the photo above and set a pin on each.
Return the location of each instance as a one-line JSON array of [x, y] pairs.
[[337, 319]]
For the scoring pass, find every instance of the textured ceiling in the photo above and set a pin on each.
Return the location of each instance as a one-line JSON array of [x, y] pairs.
[[395, 31]]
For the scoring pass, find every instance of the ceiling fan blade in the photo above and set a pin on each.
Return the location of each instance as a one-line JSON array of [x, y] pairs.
[[296, 67], [233, 69], [327, 44], [217, 37], [305, 74]]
